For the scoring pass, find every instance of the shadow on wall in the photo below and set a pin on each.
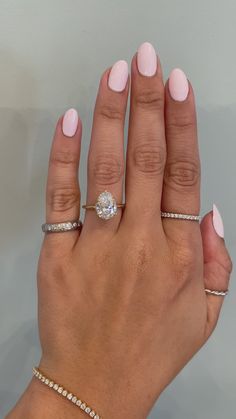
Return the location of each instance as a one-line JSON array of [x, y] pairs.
[[18, 86], [216, 128], [24, 152], [18, 354], [23, 136]]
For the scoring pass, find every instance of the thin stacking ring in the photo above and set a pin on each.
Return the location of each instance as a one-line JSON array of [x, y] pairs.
[[62, 227], [218, 293], [174, 215]]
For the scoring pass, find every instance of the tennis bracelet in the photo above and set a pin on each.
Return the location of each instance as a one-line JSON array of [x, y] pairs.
[[66, 394]]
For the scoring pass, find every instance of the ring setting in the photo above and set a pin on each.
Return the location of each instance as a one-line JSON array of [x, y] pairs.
[[106, 206]]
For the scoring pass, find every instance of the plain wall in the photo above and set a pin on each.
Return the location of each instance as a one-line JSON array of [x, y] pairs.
[[52, 54]]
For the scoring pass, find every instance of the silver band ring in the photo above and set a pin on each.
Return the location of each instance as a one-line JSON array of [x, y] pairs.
[[189, 217], [218, 293], [62, 227]]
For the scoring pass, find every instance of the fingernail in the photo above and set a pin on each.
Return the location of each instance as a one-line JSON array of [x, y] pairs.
[[118, 76], [178, 85], [147, 59], [70, 122], [218, 222]]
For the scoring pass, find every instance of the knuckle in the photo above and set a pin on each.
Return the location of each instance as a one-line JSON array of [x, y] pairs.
[[149, 158], [63, 199], [107, 169], [53, 265], [63, 158], [185, 259], [182, 173], [151, 99], [139, 255], [228, 264], [182, 122], [184, 273], [111, 112]]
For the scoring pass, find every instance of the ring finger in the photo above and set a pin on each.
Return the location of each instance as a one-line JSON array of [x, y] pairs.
[[106, 153], [181, 188]]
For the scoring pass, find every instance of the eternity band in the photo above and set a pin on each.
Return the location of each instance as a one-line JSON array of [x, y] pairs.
[[180, 216], [61, 227]]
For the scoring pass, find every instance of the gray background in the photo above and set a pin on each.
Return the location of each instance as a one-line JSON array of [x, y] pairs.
[[52, 54]]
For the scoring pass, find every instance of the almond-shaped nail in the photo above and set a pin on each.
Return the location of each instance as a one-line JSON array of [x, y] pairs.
[[118, 76], [178, 85], [218, 222], [147, 59], [70, 122]]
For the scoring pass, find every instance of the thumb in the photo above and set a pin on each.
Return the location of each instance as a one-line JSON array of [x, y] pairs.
[[217, 264]]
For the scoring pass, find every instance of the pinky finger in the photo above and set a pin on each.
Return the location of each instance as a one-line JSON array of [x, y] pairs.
[[217, 265]]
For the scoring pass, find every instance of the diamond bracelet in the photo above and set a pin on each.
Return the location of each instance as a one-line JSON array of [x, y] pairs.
[[65, 393]]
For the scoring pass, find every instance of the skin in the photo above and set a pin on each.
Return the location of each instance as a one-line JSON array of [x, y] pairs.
[[122, 306]]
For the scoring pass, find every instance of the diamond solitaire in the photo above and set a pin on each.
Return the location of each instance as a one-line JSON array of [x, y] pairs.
[[106, 206]]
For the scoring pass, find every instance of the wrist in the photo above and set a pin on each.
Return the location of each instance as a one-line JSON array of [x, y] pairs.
[[40, 401], [112, 398]]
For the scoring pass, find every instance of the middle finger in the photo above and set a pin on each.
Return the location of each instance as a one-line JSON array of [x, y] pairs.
[[146, 151]]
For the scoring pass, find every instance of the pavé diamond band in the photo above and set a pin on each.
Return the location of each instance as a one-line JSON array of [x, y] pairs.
[[174, 215], [61, 227]]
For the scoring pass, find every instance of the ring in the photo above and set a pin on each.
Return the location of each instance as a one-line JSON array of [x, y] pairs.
[[106, 206], [64, 226], [219, 293], [180, 216]]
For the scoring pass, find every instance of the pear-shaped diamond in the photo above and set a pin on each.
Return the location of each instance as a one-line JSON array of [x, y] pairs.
[[106, 206]]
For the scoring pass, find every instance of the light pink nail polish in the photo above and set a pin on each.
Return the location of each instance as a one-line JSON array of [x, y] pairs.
[[70, 122], [218, 222], [118, 76], [178, 85], [147, 59]]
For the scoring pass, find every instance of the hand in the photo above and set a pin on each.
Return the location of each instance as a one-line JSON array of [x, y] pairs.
[[122, 306]]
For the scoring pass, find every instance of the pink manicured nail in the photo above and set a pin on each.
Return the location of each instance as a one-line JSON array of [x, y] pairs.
[[217, 222], [118, 76], [178, 85], [147, 59], [70, 122]]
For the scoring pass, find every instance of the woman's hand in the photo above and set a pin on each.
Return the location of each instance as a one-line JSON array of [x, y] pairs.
[[122, 305]]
